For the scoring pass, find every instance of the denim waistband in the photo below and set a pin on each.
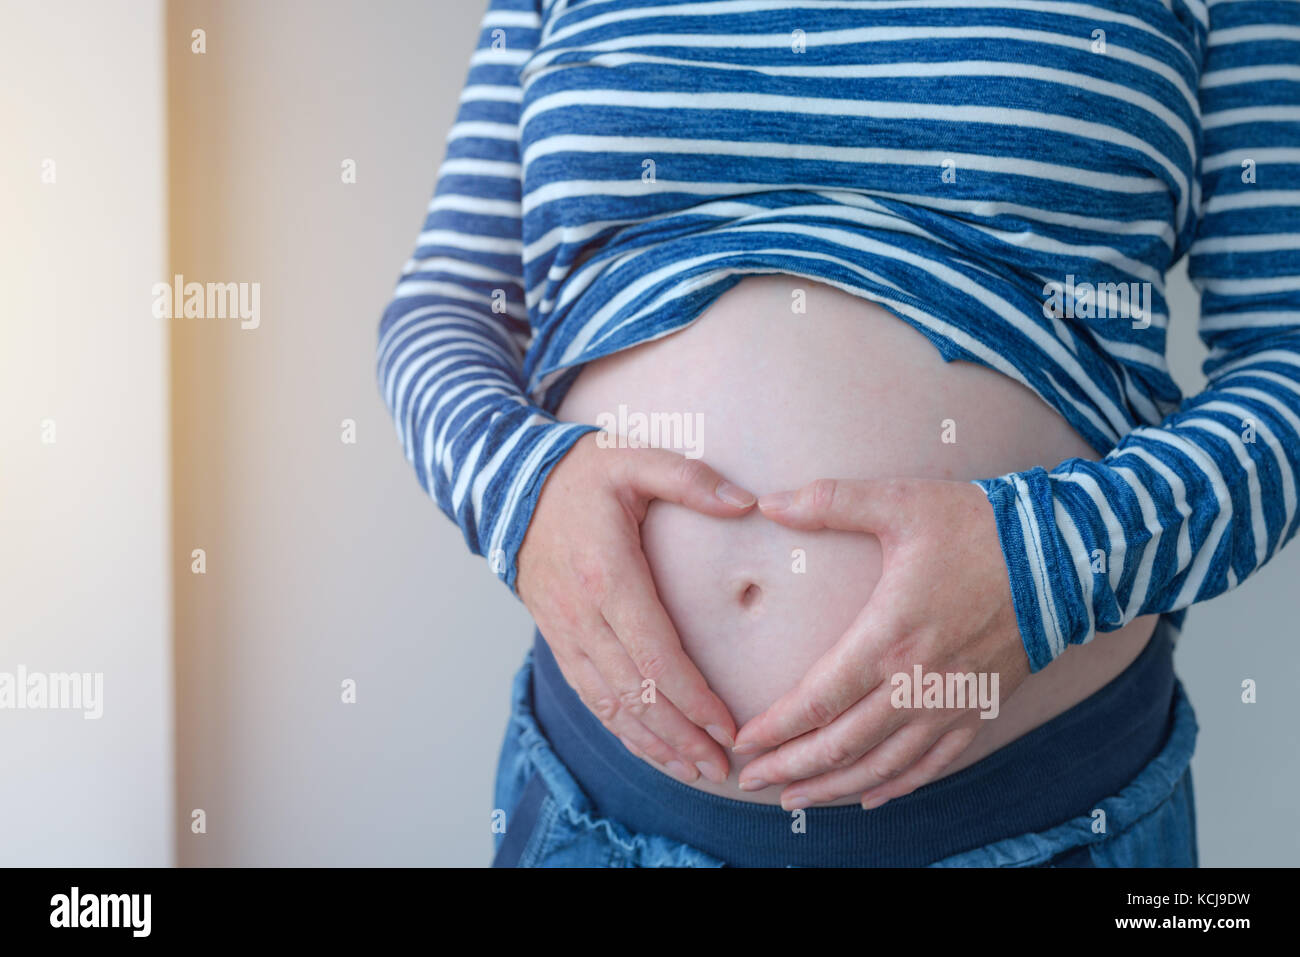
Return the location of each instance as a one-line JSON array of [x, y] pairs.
[[1058, 771]]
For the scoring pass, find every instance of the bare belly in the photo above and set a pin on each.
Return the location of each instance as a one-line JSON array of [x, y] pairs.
[[777, 399]]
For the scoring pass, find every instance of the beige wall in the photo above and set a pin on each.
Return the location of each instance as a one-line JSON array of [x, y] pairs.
[[84, 559], [325, 561]]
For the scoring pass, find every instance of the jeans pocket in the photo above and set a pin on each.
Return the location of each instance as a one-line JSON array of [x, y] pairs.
[[517, 844], [1075, 857], [1165, 837], [544, 832]]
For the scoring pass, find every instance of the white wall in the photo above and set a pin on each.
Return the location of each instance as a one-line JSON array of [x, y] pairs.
[[325, 561], [84, 570], [1246, 768], [332, 562]]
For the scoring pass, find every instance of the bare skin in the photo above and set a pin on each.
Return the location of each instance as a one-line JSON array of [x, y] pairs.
[[838, 730], [583, 576], [903, 561]]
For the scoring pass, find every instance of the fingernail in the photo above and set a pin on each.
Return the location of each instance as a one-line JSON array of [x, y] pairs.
[[711, 772], [795, 802], [745, 749], [679, 770], [776, 501], [719, 734], [753, 784], [734, 495], [873, 802]]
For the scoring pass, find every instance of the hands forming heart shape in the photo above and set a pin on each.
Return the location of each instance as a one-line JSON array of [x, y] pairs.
[[943, 603]]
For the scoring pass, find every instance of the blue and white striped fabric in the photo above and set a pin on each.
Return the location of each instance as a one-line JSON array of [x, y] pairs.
[[974, 166]]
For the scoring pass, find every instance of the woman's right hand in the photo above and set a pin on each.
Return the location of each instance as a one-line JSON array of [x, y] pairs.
[[584, 577]]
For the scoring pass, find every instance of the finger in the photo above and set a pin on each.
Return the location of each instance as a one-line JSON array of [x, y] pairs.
[[605, 704], [839, 745], [658, 473], [654, 710], [600, 699], [885, 763], [851, 505], [930, 766], [836, 681], [643, 628]]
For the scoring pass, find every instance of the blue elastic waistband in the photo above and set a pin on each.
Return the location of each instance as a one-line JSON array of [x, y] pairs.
[[1056, 772]]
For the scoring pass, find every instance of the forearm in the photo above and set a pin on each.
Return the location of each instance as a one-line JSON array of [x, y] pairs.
[[1175, 514], [478, 447], [450, 360]]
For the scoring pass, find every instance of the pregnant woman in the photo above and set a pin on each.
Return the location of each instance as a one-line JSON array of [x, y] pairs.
[[801, 367]]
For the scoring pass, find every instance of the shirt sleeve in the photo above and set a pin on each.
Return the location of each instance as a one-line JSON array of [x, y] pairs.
[[451, 342], [1184, 511]]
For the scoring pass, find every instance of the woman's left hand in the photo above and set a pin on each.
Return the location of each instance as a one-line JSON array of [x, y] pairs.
[[943, 602]]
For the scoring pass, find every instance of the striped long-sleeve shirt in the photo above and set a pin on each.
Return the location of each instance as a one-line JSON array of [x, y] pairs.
[[1013, 179]]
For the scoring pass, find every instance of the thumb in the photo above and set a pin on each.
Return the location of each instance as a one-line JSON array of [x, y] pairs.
[[850, 505], [658, 473]]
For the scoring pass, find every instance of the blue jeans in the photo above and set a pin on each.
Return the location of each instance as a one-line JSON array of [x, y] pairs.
[[550, 822]]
